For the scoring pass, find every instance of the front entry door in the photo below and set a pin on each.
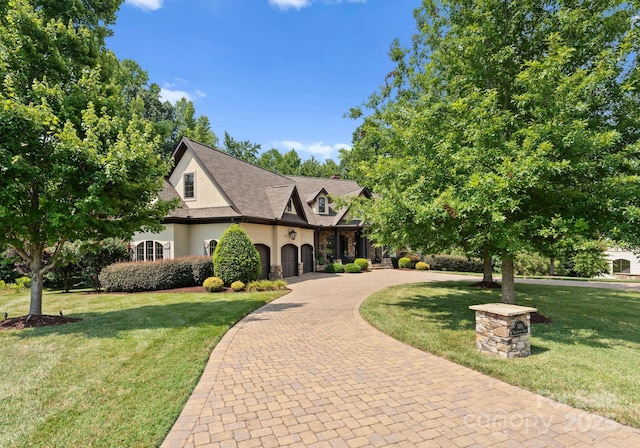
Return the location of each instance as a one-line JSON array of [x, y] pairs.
[[307, 258]]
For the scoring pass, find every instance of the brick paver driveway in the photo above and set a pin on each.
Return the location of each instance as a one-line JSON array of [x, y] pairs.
[[306, 370]]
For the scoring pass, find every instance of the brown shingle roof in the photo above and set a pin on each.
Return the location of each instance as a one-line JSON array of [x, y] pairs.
[[310, 187], [254, 192]]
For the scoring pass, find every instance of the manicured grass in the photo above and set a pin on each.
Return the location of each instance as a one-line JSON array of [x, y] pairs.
[[119, 377], [588, 357]]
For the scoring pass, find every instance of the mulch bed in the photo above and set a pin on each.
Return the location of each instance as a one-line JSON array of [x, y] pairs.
[[537, 318], [44, 320]]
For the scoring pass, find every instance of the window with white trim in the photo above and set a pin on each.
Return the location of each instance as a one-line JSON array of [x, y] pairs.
[[621, 266], [149, 251], [189, 185]]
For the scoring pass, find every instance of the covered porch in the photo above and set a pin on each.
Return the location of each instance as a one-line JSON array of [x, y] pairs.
[[343, 244]]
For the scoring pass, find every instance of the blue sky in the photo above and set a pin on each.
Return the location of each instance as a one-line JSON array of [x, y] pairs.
[[281, 73]]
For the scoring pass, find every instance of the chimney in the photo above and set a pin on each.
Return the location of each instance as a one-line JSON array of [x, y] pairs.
[[335, 176]]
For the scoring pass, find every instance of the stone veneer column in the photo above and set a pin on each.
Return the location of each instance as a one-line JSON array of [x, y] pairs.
[[300, 269], [503, 330], [276, 272]]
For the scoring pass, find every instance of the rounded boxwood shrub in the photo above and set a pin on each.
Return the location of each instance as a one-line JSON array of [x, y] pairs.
[[235, 257], [213, 284], [237, 286], [334, 268], [422, 266], [352, 268], [405, 263], [363, 263]]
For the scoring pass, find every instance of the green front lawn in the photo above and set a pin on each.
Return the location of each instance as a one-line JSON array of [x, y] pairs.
[[119, 377], [588, 357]]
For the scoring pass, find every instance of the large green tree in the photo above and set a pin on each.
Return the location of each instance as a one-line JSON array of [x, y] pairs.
[[243, 150], [501, 120], [75, 154]]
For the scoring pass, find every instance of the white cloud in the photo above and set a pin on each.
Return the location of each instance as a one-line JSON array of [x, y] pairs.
[[147, 5], [172, 96], [286, 4], [299, 4], [319, 149], [180, 88]]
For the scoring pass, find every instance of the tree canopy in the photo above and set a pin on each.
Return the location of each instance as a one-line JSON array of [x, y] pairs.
[[76, 154], [505, 127]]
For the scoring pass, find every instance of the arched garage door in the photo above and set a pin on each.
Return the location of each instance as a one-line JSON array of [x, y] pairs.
[[265, 260], [289, 255], [307, 258]]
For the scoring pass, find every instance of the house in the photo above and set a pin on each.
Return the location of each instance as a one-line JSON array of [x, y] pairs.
[[623, 263], [293, 221]]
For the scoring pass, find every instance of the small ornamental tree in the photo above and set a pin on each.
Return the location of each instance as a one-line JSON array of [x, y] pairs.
[[235, 257]]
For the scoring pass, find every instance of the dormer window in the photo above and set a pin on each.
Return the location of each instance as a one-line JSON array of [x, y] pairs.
[[322, 206], [289, 208], [189, 184]]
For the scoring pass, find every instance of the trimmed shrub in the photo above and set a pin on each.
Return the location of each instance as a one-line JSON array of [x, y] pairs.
[[267, 285], [422, 266], [334, 268], [202, 269], [213, 284], [454, 263], [405, 263], [235, 257], [352, 268], [156, 275], [237, 286], [363, 263]]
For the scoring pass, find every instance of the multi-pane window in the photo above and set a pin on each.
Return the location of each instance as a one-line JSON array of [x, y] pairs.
[[289, 208], [621, 266], [149, 251], [322, 206], [189, 182], [212, 246]]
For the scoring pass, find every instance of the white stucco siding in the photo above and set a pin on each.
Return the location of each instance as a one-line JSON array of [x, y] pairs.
[[620, 254], [202, 233], [205, 192]]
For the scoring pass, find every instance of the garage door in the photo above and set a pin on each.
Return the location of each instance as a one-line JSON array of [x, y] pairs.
[[289, 255]]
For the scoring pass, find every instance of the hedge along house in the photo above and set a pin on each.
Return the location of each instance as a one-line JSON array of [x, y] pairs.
[[291, 220]]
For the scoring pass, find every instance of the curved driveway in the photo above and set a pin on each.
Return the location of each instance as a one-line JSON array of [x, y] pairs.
[[307, 370]]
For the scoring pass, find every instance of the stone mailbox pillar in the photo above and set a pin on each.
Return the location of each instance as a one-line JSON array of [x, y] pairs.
[[503, 330]]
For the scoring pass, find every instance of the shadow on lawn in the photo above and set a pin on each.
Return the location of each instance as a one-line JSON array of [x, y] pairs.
[[590, 317], [110, 324]]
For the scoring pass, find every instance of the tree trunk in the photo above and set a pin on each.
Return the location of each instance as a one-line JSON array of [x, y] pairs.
[[552, 267], [37, 279], [65, 280], [487, 268], [508, 281]]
